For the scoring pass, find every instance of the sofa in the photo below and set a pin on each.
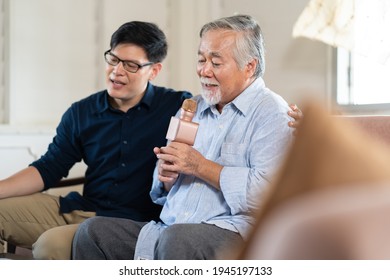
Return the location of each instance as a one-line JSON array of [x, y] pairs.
[[376, 126]]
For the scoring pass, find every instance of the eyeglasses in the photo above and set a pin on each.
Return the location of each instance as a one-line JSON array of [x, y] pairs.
[[129, 66]]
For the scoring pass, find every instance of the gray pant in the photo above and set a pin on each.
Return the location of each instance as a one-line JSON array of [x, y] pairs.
[[106, 238], [195, 242], [115, 238]]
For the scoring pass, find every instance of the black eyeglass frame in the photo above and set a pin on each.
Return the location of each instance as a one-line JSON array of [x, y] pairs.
[[124, 62]]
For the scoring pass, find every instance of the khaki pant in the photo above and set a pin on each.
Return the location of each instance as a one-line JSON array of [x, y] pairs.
[[35, 222]]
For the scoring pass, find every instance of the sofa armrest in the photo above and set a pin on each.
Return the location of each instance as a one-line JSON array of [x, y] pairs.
[[68, 185]]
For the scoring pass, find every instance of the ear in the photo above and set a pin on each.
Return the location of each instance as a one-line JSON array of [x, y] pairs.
[[250, 67], [156, 68]]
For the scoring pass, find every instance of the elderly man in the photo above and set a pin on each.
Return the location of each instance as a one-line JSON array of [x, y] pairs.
[[209, 190]]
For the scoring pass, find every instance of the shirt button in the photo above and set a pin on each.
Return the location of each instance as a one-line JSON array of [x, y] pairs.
[[123, 164], [124, 142], [138, 108], [221, 126]]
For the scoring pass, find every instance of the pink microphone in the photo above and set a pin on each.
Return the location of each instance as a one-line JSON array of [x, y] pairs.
[[182, 129]]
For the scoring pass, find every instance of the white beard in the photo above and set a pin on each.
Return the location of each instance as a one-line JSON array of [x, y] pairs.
[[211, 97]]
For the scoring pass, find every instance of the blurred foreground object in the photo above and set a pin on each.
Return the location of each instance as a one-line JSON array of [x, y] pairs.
[[331, 197]]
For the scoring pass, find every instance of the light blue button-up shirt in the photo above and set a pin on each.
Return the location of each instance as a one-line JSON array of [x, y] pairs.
[[249, 139]]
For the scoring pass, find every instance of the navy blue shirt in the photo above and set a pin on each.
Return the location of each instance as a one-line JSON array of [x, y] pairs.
[[117, 148]]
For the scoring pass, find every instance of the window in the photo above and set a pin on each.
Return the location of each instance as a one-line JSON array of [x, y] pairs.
[[363, 75]]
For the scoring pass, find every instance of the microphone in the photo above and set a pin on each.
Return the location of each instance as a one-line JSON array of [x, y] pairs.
[[182, 129]]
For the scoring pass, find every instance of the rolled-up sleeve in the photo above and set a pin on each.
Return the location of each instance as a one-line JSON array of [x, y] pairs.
[[158, 193], [62, 153]]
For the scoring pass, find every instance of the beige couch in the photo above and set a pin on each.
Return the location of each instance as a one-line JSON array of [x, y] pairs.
[[376, 126]]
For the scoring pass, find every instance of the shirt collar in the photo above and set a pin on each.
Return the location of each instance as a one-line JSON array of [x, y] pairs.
[[146, 100], [148, 97], [243, 101]]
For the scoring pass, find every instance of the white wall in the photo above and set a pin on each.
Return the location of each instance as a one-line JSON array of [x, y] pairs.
[[56, 52], [3, 71]]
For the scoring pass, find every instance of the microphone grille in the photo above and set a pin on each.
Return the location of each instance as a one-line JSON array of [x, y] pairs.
[[189, 105]]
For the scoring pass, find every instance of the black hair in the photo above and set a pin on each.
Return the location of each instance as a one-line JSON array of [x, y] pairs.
[[146, 35]]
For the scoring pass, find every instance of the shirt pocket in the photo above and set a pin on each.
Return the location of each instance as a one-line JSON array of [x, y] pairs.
[[233, 154]]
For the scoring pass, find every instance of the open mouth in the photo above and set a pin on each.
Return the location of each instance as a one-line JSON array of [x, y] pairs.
[[115, 82], [209, 85], [206, 83]]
